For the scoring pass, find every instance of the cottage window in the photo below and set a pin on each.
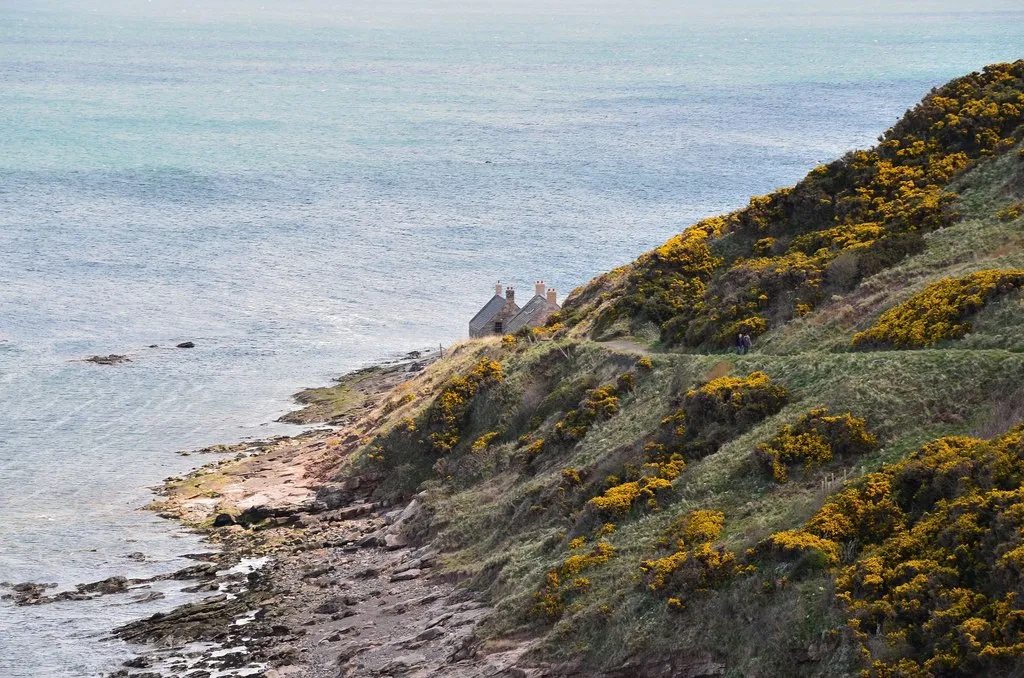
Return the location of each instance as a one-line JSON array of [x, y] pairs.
[[499, 327]]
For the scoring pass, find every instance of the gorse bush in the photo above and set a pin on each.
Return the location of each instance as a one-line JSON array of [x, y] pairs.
[[816, 439], [772, 260], [939, 311], [413, 448], [446, 415], [565, 580], [1011, 212], [598, 404], [654, 477], [936, 587], [695, 564], [723, 408]]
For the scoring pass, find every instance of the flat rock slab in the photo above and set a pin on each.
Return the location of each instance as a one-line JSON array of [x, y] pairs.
[[406, 575]]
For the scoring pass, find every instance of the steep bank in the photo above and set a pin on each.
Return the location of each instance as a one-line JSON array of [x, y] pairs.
[[624, 495], [785, 511]]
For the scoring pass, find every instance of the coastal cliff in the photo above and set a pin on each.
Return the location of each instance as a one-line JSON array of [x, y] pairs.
[[621, 493]]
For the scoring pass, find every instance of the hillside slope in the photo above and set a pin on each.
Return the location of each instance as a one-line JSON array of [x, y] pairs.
[[846, 497]]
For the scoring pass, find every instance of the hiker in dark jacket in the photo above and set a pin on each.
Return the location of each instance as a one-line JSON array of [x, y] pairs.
[[739, 344], [747, 343]]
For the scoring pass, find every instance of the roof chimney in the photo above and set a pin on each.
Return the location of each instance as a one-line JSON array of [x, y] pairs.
[[539, 288], [497, 289], [552, 295], [510, 294]]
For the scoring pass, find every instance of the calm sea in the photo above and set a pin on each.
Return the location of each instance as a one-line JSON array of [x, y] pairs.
[[303, 187]]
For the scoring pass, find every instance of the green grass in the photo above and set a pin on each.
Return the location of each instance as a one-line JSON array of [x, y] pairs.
[[977, 242], [503, 523]]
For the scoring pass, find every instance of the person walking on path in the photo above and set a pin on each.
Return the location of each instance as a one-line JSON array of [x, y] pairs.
[[747, 343], [740, 347]]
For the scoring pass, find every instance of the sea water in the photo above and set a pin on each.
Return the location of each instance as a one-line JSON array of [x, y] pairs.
[[303, 187]]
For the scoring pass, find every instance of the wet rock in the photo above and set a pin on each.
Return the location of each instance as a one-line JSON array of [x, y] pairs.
[[333, 496], [350, 650], [430, 633], [105, 586], [437, 621], [137, 556], [112, 359], [204, 620], [200, 571], [370, 540], [149, 597], [29, 593], [233, 660], [223, 520], [140, 662], [368, 573], [186, 344]]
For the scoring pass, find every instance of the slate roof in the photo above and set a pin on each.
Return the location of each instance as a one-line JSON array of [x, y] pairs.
[[535, 311], [486, 313]]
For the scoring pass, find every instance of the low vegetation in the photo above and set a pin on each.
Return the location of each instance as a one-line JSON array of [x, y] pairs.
[[819, 506], [939, 312]]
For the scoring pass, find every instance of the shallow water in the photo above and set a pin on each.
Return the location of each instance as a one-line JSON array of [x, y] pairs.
[[306, 187]]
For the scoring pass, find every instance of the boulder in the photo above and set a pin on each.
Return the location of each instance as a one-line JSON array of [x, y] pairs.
[[112, 359]]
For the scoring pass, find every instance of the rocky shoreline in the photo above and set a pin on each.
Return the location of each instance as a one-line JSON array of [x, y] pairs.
[[314, 578]]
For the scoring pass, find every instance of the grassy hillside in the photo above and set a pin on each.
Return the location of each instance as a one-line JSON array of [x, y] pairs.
[[844, 498]]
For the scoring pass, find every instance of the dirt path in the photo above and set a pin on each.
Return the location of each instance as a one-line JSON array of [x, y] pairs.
[[627, 346]]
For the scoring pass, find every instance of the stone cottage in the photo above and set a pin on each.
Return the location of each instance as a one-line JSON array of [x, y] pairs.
[[501, 315]]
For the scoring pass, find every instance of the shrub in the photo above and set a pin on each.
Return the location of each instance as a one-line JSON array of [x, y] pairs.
[[598, 404], [815, 439], [757, 266], [794, 544], [695, 565], [484, 441], [939, 311], [726, 407], [571, 477], [534, 449], [655, 476], [446, 415], [1011, 212], [936, 585], [393, 404], [551, 600], [620, 499]]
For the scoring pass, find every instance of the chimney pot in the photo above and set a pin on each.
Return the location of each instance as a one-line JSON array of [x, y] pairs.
[[497, 288], [552, 296], [539, 288], [510, 294]]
